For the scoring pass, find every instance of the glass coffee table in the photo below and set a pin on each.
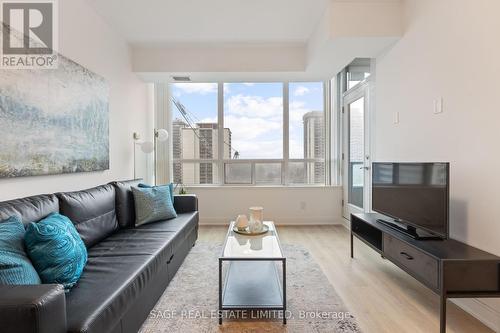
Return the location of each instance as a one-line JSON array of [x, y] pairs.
[[251, 279]]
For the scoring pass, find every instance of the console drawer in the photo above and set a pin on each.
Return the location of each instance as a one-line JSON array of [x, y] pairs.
[[418, 264]]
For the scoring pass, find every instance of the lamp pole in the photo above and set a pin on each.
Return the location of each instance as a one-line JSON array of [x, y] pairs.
[[150, 147], [160, 135], [154, 162]]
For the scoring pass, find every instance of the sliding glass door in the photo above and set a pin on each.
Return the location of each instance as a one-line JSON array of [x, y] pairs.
[[356, 154]]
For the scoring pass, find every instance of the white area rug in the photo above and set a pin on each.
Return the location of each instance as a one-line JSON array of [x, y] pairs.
[[190, 302]]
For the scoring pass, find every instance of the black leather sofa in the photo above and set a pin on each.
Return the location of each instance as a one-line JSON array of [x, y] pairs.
[[127, 271]]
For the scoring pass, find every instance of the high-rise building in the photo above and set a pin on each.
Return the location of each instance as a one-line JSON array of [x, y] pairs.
[[194, 143], [314, 145], [177, 126]]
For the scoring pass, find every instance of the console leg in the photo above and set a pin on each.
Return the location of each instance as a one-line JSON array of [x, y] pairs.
[[352, 246], [442, 314]]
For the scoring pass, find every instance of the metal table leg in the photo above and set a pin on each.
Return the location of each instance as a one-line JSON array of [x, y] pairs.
[[284, 291], [220, 291]]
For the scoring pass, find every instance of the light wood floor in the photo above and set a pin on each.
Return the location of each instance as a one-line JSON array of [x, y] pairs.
[[381, 296]]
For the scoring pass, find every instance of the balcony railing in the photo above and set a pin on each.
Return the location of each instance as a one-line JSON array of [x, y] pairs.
[[254, 171]]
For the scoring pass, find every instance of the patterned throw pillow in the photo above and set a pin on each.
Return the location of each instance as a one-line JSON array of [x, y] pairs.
[[170, 187], [15, 266], [56, 250], [152, 204]]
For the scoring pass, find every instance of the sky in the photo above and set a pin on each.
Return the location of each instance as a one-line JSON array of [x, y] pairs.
[[254, 113]]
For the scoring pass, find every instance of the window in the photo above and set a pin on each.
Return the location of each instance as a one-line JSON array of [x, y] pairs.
[[357, 71], [254, 113], [257, 148], [194, 133], [306, 133]]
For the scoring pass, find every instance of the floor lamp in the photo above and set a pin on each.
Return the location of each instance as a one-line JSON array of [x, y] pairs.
[[148, 147]]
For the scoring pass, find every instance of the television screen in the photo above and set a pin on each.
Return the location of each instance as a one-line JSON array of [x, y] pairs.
[[413, 193]]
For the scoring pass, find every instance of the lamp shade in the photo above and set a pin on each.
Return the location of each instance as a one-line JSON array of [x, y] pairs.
[[162, 134], [147, 147]]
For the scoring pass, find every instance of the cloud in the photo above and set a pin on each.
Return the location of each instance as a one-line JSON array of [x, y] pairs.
[[254, 106], [297, 110], [208, 120], [196, 88], [255, 137], [296, 148], [246, 129], [301, 91]]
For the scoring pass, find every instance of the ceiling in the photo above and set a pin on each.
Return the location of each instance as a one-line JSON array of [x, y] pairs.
[[250, 39], [173, 21]]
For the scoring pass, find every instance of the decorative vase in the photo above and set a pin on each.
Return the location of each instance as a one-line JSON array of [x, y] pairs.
[[241, 222], [256, 219]]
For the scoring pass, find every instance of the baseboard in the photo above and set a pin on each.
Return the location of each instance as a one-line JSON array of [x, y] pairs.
[[481, 311], [346, 223], [280, 221]]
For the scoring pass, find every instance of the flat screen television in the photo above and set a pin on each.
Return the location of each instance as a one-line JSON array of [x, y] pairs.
[[415, 197]]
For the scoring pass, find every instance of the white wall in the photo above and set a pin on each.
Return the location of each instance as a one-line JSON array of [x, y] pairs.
[[284, 205], [450, 49], [219, 57], [85, 38]]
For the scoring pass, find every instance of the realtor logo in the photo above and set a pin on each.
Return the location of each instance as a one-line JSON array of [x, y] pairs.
[[29, 32]]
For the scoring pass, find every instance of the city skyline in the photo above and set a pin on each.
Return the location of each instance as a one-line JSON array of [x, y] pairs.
[[254, 113], [199, 141]]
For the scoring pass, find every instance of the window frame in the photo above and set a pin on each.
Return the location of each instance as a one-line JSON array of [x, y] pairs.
[[221, 162]]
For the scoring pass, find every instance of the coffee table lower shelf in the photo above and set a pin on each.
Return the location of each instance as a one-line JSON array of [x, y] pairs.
[[252, 285]]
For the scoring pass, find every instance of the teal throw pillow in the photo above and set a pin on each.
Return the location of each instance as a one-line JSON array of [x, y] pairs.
[[170, 187], [152, 204], [56, 250], [15, 266]]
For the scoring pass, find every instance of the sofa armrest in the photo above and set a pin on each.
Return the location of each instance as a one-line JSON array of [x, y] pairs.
[[32, 308], [185, 203]]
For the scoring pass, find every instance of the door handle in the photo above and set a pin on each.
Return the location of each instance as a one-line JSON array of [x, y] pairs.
[[365, 167], [409, 257]]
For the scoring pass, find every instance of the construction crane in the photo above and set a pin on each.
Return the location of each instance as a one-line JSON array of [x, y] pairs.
[[190, 118]]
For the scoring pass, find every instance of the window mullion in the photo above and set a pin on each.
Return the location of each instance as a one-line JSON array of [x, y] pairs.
[[327, 106], [286, 132], [220, 132], [254, 178]]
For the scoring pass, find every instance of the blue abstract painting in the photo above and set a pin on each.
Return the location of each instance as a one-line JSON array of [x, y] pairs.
[[53, 121]]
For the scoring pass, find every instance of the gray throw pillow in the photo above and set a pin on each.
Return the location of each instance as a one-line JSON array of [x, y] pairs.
[[152, 204]]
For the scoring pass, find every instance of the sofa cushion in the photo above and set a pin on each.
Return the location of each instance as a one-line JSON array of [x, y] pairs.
[[92, 211], [118, 270], [127, 242], [15, 266], [56, 249], [183, 224], [125, 209], [30, 209]]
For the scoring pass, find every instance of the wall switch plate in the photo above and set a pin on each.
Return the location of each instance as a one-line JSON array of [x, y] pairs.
[[438, 105], [395, 117]]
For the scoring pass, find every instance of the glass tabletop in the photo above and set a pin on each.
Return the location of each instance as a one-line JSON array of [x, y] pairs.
[[258, 246]]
